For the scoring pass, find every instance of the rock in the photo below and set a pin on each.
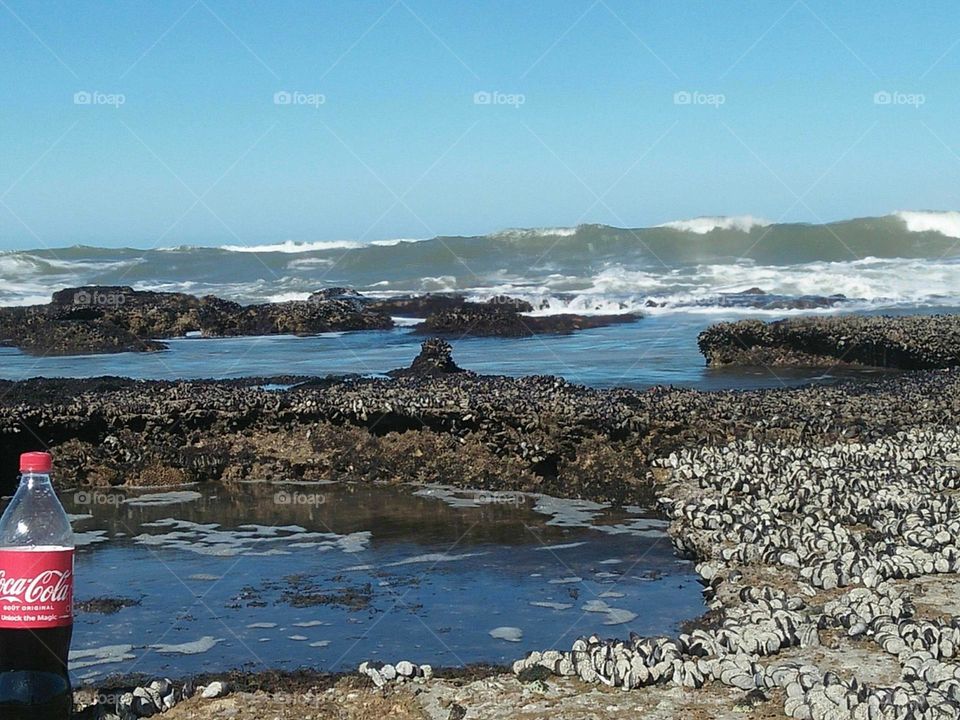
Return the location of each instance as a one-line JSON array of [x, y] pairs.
[[215, 689], [435, 358], [111, 319], [504, 320], [909, 342]]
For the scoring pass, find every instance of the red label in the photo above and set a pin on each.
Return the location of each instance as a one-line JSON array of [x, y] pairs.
[[36, 588]]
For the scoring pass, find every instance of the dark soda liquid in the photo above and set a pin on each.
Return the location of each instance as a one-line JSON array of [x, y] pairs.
[[34, 683]]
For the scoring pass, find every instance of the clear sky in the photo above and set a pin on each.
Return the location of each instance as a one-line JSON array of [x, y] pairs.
[[159, 123]]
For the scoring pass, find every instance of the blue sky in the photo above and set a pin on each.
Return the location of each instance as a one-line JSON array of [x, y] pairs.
[[626, 113]]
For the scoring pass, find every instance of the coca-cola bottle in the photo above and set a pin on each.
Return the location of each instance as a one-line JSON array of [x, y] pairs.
[[36, 598]]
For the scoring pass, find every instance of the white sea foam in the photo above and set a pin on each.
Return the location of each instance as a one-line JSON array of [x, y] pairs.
[[195, 647], [395, 241], [434, 558], [866, 283], [288, 297], [529, 233], [551, 605], [510, 634], [291, 246], [174, 497], [946, 222], [88, 657], [614, 616], [563, 546], [704, 225], [309, 263]]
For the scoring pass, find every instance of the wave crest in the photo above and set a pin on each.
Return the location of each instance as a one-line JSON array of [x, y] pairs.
[[291, 246], [704, 225], [944, 222]]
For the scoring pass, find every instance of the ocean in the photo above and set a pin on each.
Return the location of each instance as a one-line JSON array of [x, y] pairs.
[[681, 276]]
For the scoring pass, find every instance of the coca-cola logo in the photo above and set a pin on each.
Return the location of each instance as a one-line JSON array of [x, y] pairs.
[[49, 586]]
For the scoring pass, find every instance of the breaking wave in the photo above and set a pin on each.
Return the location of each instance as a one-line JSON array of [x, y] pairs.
[[909, 258]]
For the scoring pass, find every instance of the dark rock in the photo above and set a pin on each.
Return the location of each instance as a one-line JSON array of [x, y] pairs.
[[515, 304], [294, 318], [534, 674], [417, 306], [800, 303], [906, 342], [108, 319], [343, 294], [435, 358], [104, 605], [333, 293], [503, 320], [751, 291], [421, 306], [39, 334]]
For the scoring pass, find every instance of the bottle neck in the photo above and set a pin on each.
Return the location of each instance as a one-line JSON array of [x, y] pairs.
[[35, 481]]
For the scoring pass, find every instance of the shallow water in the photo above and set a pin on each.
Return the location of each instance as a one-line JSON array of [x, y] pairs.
[[327, 576], [656, 350]]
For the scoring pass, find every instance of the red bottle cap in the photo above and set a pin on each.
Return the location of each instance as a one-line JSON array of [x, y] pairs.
[[36, 462]]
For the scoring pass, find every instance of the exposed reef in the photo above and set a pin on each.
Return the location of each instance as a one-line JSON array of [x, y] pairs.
[[913, 342], [112, 319]]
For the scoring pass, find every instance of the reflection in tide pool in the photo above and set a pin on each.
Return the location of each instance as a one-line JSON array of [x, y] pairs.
[[325, 576]]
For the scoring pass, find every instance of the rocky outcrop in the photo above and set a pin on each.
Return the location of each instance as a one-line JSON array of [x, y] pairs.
[[500, 316], [305, 317], [757, 298], [435, 358], [421, 306], [503, 319], [908, 342], [109, 319], [39, 334], [538, 434]]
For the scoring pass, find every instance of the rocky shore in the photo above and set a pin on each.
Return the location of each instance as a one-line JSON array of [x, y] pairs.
[[823, 519], [913, 342], [112, 319], [536, 433], [105, 319]]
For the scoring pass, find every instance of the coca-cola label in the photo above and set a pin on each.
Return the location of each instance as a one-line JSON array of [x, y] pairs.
[[36, 588]]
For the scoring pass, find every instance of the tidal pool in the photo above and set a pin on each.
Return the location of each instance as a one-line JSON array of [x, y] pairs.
[[264, 576]]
